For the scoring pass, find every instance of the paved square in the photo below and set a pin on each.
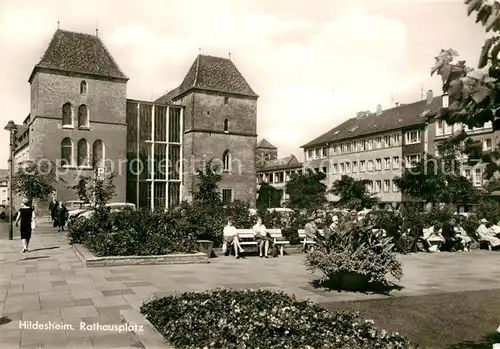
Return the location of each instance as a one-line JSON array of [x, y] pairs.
[[50, 286]]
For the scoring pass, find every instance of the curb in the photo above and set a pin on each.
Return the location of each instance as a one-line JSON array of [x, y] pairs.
[[149, 337]]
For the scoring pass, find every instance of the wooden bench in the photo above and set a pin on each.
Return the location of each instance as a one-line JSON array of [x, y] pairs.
[[247, 238], [307, 240]]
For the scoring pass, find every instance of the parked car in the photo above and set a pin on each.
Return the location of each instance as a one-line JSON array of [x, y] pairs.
[[114, 206]]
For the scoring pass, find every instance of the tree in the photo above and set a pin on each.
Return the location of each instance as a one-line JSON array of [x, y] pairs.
[[100, 191], [208, 184], [306, 190], [474, 94], [439, 179], [81, 189], [268, 196], [353, 193], [35, 179]]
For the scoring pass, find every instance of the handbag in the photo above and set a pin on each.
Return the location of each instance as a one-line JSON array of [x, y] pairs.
[[33, 224]]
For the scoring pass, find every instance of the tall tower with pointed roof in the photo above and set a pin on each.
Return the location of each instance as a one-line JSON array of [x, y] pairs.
[[220, 123], [265, 152], [78, 109]]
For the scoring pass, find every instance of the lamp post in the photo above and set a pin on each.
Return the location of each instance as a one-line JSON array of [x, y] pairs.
[[12, 128]]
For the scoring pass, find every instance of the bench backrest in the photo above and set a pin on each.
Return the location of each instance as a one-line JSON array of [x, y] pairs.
[[302, 233], [249, 234]]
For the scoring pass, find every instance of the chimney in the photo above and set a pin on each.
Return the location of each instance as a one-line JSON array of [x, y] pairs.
[[430, 96], [397, 104], [379, 109], [362, 114]]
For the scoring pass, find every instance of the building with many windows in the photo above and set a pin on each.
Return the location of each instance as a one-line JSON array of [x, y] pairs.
[[375, 147], [273, 170], [80, 117]]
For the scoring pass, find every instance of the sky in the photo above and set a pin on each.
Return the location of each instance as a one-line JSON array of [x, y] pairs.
[[313, 63]]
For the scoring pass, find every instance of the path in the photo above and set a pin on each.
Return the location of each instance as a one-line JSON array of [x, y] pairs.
[[50, 284]]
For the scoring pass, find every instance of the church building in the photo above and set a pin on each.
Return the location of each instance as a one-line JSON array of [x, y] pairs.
[[80, 115]]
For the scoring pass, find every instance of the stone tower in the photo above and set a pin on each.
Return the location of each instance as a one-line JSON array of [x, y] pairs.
[[78, 110], [220, 123]]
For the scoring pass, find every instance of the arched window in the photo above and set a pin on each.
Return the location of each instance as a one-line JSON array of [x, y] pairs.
[[83, 116], [83, 87], [66, 152], [226, 161], [98, 154], [67, 115], [226, 125], [83, 153]]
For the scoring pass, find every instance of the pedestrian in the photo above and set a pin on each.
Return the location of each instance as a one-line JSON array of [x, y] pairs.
[[53, 210], [26, 216], [62, 216]]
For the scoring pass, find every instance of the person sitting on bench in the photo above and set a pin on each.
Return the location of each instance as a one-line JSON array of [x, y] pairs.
[[262, 237], [231, 238]]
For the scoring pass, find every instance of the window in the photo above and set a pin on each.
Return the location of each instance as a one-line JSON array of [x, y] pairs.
[[369, 144], [226, 161], [324, 170], [226, 125], [395, 162], [378, 186], [378, 164], [335, 168], [83, 116], [387, 163], [83, 88], [66, 152], [369, 186], [324, 152], [317, 153], [487, 144], [270, 178], [337, 150], [395, 140], [412, 159], [412, 137], [478, 177], [344, 148], [394, 187], [82, 153], [370, 165], [342, 168], [98, 153], [310, 154], [387, 141], [354, 167], [378, 142], [279, 177], [348, 167], [362, 145], [67, 115], [227, 195], [362, 166], [387, 185], [226, 100], [440, 128], [468, 174]]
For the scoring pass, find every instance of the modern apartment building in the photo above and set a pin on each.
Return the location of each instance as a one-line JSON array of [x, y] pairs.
[[375, 146], [273, 170]]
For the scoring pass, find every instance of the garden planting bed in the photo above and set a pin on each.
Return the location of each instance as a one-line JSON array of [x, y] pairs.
[[231, 319], [90, 260]]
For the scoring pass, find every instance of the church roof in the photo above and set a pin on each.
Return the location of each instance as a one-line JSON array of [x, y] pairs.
[[280, 164], [264, 143], [211, 74], [79, 53]]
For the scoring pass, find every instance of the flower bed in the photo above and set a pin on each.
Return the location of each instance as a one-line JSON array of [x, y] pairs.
[[227, 319]]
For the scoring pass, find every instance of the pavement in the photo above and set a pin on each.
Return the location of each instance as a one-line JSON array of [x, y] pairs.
[[49, 286]]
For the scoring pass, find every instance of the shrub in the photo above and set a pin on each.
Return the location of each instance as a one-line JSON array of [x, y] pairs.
[[139, 232], [354, 249], [229, 319]]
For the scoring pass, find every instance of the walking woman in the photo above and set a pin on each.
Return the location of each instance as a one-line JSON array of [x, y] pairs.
[[26, 215], [61, 216]]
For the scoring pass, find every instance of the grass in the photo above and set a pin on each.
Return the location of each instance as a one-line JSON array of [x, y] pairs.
[[462, 320]]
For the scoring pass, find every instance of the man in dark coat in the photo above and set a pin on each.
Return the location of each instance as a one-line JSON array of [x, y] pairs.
[[53, 210]]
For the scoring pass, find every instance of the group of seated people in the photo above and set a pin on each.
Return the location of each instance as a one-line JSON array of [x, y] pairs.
[[261, 235]]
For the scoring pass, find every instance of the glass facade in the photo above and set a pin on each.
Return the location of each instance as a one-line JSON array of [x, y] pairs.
[[154, 154]]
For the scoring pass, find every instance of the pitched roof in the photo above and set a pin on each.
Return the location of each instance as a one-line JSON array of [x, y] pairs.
[[280, 163], [403, 116], [80, 53], [212, 74], [264, 143]]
